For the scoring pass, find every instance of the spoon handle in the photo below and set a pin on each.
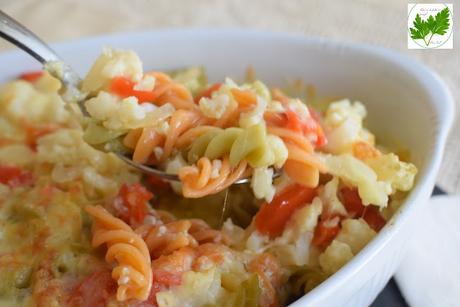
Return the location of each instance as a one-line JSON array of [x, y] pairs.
[[17, 34]]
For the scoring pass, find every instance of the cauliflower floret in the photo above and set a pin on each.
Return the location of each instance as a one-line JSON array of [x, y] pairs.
[[229, 83], [128, 115], [306, 218], [173, 166], [62, 173], [257, 242], [216, 166], [356, 233], [400, 175], [47, 83], [17, 154], [275, 107], [261, 183], [293, 246], [112, 63], [336, 255], [357, 173], [343, 110], [214, 107], [196, 289], [103, 106], [116, 114], [343, 125], [299, 108], [94, 180], [72, 157], [259, 88], [255, 116], [233, 232], [279, 150], [147, 83], [329, 197], [18, 96]]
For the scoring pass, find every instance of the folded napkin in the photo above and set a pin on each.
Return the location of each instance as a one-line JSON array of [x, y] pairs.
[[430, 273]]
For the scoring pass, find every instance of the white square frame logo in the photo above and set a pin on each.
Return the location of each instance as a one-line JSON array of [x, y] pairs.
[[425, 12]]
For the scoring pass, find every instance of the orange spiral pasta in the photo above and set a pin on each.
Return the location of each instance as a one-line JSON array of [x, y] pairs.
[[167, 235], [133, 271], [168, 91], [144, 140], [181, 121], [302, 165], [188, 123], [164, 239], [197, 181], [148, 140]]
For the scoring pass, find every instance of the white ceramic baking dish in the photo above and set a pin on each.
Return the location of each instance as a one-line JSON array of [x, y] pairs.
[[408, 106]]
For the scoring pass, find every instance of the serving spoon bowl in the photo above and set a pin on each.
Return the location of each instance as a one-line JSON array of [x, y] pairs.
[[17, 34]]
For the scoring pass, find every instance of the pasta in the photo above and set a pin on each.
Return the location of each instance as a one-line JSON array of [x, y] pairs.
[[167, 235], [199, 181], [251, 144], [318, 188], [133, 271]]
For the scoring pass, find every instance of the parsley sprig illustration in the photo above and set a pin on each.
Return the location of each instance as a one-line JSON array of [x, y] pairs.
[[433, 25]]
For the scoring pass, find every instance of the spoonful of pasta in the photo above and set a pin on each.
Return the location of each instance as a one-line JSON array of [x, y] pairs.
[[159, 126]]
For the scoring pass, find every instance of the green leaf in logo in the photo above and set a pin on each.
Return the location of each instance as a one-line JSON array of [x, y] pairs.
[[434, 25], [421, 28], [440, 24]]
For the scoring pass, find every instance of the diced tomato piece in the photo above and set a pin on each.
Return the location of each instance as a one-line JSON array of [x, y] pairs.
[[272, 217], [31, 76], [293, 121], [352, 202], [355, 208], [326, 231], [133, 202], [321, 137], [95, 290], [14, 176], [161, 280], [157, 182], [124, 87], [208, 92], [166, 278], [305, 126], [373, 218]]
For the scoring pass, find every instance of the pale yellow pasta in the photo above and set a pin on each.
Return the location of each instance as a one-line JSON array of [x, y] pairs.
[[252, 144], [357, 173]]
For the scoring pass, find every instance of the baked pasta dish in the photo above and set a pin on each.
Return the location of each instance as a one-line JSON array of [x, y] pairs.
[[79, 227]]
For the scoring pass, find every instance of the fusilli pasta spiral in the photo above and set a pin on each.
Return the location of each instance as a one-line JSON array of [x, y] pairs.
[[198, 181], [252, 144], [168, 91], [302, 165], [133, 271], [166, 234]]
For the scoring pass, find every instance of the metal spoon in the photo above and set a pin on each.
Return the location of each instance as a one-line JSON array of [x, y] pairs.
[[17, 34]]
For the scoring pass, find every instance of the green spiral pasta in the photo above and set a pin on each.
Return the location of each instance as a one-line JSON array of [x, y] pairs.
[[253, 144]]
